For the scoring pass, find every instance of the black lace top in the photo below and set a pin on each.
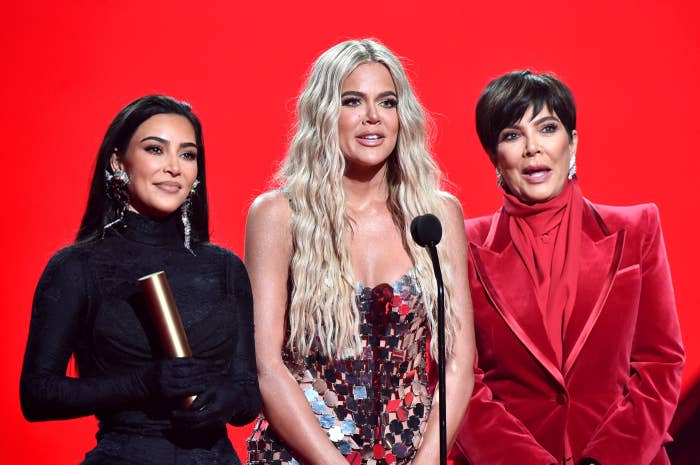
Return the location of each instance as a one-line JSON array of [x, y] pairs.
[[88, 303]]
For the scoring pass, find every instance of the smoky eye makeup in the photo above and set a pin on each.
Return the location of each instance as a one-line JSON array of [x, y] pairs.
[[549, 128], [390, 102], [508, 135], [350, 101], [154, 149], [189, 155]]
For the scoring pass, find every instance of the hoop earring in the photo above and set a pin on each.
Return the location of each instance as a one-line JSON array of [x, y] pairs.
[[116, 189], [572, 168], [185, 215]]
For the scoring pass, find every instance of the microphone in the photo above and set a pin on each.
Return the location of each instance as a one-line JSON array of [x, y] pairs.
[[426, 231]]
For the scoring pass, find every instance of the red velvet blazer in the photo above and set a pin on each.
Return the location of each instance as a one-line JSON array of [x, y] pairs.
[[615, 395]]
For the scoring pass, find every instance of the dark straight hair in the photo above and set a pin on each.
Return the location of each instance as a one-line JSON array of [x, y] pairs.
[[101, 209], [505, 100]]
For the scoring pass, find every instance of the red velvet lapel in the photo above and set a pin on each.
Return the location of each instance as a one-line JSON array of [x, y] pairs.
[[601, 252], [509, 287]]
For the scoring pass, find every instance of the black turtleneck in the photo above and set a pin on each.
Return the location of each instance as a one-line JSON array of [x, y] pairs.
[[88, 304]]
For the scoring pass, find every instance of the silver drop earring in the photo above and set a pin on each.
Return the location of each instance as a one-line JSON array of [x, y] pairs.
[[499, 177], [116, 188], [185, 215], [572, 167]]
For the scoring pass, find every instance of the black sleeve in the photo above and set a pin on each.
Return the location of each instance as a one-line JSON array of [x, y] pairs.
[[244, 373], [60, 304]]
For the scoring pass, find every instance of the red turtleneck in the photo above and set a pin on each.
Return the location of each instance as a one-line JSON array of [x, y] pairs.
[[547, 236]]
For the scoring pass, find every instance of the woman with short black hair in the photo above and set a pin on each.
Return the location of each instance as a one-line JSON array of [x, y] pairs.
[[578, 342]]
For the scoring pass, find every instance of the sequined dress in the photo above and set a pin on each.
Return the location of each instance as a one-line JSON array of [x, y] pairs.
[[374, 407]]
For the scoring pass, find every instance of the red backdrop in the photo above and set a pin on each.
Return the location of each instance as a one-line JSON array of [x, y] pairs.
[[70, 66]]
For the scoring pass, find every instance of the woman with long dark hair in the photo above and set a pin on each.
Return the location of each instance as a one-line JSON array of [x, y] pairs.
[[147, 212]]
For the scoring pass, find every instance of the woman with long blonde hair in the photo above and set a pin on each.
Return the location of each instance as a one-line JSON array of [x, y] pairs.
[[342, 361]]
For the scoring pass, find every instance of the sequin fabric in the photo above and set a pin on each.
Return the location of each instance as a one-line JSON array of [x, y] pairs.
[[373, 407]]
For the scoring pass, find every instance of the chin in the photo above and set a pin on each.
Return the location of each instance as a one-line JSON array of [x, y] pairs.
[[162, 210], [542, 195], [535, 195]]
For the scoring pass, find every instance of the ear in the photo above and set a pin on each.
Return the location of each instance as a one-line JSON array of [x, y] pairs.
[[115, 162], [573, 143]]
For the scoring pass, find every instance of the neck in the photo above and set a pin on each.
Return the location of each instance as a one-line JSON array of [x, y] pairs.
[[152, 230], [364, 187]]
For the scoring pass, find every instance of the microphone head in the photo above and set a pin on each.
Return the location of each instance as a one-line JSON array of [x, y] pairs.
[[426, 230]]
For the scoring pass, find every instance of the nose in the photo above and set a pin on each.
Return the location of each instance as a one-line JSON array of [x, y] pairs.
[[371, 116], [532, 147], [172, 164]]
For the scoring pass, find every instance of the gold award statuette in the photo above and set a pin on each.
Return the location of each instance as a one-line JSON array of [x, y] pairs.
[[166, 319]]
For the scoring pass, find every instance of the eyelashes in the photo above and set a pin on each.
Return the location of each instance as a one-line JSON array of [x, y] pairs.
[[508, 136], [158, 150], [511, 135], [154, 149], [356, 102], [351, 102], [389, 103]]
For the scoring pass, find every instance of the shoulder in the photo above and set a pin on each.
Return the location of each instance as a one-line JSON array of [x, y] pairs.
[[451, 206], [67, 268], [73, 256], [478, 227], [452, 217], [231, 264], [641, 217], [270, 209], [452, 212], [208, 249]]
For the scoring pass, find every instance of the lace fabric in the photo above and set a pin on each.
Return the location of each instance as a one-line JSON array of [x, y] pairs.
[[87, 304]]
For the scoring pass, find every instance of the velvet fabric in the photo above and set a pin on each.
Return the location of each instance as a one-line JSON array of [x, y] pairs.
[[547, 236], [614, 395]]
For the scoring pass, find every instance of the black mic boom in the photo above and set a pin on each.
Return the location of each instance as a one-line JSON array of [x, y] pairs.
[[426, 230]]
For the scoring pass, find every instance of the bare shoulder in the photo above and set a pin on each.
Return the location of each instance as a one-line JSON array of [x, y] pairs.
[[270, 210], [452, 208], [268, 251], [268, 230]]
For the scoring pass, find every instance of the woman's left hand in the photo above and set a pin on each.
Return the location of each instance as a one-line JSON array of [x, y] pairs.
[[214, 407]]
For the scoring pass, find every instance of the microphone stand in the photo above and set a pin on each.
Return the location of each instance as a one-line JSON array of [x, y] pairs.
[[432, 249]]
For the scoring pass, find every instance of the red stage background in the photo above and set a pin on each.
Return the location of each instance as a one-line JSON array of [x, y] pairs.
[[70, 66]]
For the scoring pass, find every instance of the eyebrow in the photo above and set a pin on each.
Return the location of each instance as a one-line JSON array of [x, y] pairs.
[[386, 93], [539, 121], [167, 142], [545, 118]]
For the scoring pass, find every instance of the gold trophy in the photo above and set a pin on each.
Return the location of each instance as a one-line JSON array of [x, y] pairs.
[[166, 319]]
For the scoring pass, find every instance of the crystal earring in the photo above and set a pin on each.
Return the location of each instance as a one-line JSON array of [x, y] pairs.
[[499, 177], [572, 167], [185, 215], [116, 188]]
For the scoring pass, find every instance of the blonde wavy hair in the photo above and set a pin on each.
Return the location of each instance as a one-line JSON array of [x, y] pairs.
[[322, 302]]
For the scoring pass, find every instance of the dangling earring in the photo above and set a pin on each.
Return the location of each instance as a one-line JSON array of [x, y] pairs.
[[185, 212], [572, 167], [115, 185], [499, 177]]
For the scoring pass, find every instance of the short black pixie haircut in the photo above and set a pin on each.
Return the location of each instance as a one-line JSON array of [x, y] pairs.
[[505, 100]]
